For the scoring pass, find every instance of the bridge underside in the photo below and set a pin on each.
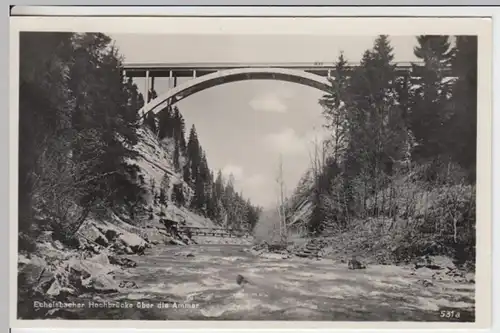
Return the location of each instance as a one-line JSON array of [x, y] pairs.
[[248, 76], [204, 82]]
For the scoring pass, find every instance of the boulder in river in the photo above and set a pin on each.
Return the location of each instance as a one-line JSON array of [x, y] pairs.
[[31, 269], [241, 280], [128, 284], [135, 243], [89, 275], [56, 289], [434, 262], [355, 264], [425, 283], [101, 258], [122, 262]]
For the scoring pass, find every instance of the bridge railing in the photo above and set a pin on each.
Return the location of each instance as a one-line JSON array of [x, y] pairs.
[[227, 65]]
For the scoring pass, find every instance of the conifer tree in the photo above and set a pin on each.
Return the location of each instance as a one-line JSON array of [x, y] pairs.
[[334, 108], [193, 154], [463, 122], [180, 129], [429, 99], [163, 197], [219, 185], [165, 125], [150, 121], [44, 117], [104, 114], [178, 195], [89, 110], [186, 172], [176, 156]]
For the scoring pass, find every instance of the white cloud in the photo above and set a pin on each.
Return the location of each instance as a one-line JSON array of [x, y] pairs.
[[288, 142], [270, 102]]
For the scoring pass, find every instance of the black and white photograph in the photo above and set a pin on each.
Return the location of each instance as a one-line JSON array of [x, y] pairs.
[[253, 177]]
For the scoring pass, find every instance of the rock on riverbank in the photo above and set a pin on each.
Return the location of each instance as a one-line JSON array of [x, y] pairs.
[[55, 272]]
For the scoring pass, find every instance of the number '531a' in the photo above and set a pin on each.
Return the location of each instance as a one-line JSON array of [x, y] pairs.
[[449, 314]]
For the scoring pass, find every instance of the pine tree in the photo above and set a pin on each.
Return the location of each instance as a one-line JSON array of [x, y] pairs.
[[376, 134], [165, 182], [45, 108], [165, 125], [150, 121], [102, 120], [152, 95], [193, 153], [176, 156], [86, 122], [163, 197], [252, 215], [212, 207], [334, 108], [198, 202], [229, 202], [135, 102], [463, 122], [178, 195], [429, 101], [180, 129], [219, 185], [186, 172]]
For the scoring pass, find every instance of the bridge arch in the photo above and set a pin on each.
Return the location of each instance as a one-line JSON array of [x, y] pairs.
[[204, 82]]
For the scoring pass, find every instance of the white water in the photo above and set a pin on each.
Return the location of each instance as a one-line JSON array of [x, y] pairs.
[[280, 289]]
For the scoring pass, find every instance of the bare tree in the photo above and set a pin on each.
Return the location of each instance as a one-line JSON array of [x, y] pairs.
[[281, 202]]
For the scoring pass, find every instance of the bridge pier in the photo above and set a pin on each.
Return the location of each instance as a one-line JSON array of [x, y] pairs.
[[147, 86]]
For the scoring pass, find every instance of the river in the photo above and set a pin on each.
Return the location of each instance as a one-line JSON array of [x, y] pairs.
[[199, 283]]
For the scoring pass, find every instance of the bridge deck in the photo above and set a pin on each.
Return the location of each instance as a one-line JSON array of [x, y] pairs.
[[199, 69]]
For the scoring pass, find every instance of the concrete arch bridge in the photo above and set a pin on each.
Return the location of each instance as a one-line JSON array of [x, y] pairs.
[[206, 75]]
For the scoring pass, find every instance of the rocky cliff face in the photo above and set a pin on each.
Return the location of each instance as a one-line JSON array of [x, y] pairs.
[[56, 271]]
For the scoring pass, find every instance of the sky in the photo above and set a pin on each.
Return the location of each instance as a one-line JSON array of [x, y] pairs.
[[244, 127]]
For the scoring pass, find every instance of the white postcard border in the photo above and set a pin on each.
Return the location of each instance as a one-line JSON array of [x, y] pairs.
[[303, 26]]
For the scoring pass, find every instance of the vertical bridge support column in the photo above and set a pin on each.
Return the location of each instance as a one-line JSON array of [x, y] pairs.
[[147, 86], [171, 76]]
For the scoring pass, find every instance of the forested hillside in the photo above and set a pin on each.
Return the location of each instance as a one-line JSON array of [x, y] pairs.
[[397, 176], [95, 181], [84, 152], [213, 196], [77, 126]]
